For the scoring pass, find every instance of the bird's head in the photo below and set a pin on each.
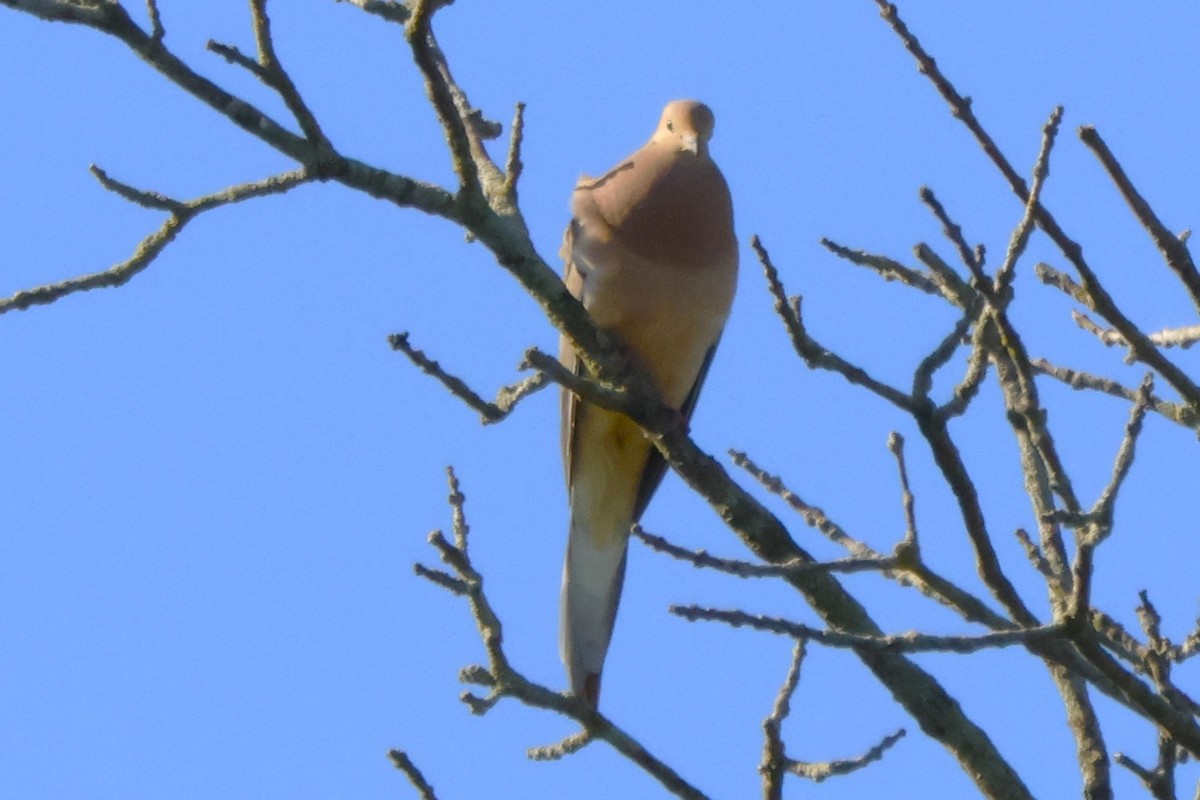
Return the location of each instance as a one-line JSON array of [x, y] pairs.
[[686, 126]]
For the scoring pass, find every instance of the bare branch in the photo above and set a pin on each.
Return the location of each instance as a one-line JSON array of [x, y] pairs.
[[1044, 473], [507, 397], [1160, 781], [889, 269], [896, 445], [390, 10], [744, 569], [234, 56], [628, 395], [1091, 752], [1184, 415], [1063, 282], [1102, 511], [143, 198], [443, 579], [156, 27], [279, 80], [464, 125], [1034, 554], [776, 763], [117, 275], [819, 771], [1182, 338], [1101, 300], [402, 762], [554, 752], [813, 516], [816, 356], [968, 388], [1173, 248], [1020, 237], [181, 213], [513, 165], [941, 355], [774, 760], [952, 230], [912, 642], [949, 460], [503, 680], [908, 573], [1190, 646], [951, 285]]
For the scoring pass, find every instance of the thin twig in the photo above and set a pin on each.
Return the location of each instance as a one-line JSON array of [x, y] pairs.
[[502, 680], [819, 771], [1043, 470], [181, 213], [941, 355], [950, 461], [950, 284], [440, 577], [813, 516], [968, 388], [513, 164], [1102, 301], [913, 642], [1078, 380], [889, 269], [156, 26], [896, 446], [1173, 248], [507, 397], [1020, 237], [1183, 337], [279, 80], [142, 197], [744, 569], [775, 761], [402, 762], [1102, 511], [813, 353], [390, 10], [555, 752], [1159, 782], [952, 230], [1063, 282], [1034, 554], [235, 56]]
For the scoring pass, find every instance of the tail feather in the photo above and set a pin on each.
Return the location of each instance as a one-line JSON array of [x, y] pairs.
[[591, 590]]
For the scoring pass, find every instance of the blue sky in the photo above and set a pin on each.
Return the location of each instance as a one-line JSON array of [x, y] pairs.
[[216, 478]]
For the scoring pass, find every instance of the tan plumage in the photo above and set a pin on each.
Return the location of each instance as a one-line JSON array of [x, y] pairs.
[[651, 254]]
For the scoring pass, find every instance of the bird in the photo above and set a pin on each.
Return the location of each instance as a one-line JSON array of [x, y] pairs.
[[651, 254]]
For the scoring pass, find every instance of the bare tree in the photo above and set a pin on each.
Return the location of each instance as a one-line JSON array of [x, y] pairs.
[[1086, 652]]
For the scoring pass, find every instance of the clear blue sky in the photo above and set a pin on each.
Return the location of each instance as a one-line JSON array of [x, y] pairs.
[[215, 479]]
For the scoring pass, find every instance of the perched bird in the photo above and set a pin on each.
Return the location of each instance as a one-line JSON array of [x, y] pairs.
[[651, 254]]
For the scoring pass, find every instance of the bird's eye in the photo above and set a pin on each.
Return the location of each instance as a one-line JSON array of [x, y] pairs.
[[671, 125]]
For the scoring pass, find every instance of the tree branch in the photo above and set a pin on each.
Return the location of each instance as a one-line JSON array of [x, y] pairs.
[[402, 762], [503, 680], [961, 109], [744, 569], [816, 356], [1173, 248], [912, 642], [181, 213], [507, 397]]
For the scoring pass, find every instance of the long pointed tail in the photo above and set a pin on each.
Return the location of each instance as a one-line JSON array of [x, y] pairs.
[[591, 589]]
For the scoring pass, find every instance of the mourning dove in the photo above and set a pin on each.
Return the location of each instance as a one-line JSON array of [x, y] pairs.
[[651, 254]]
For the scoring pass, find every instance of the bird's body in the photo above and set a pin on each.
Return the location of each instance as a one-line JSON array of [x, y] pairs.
[[651, 254]]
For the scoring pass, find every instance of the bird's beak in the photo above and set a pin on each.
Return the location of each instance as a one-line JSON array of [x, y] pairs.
[[691, 143]]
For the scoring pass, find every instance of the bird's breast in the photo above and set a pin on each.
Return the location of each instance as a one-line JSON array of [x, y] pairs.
[[667, 315]]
